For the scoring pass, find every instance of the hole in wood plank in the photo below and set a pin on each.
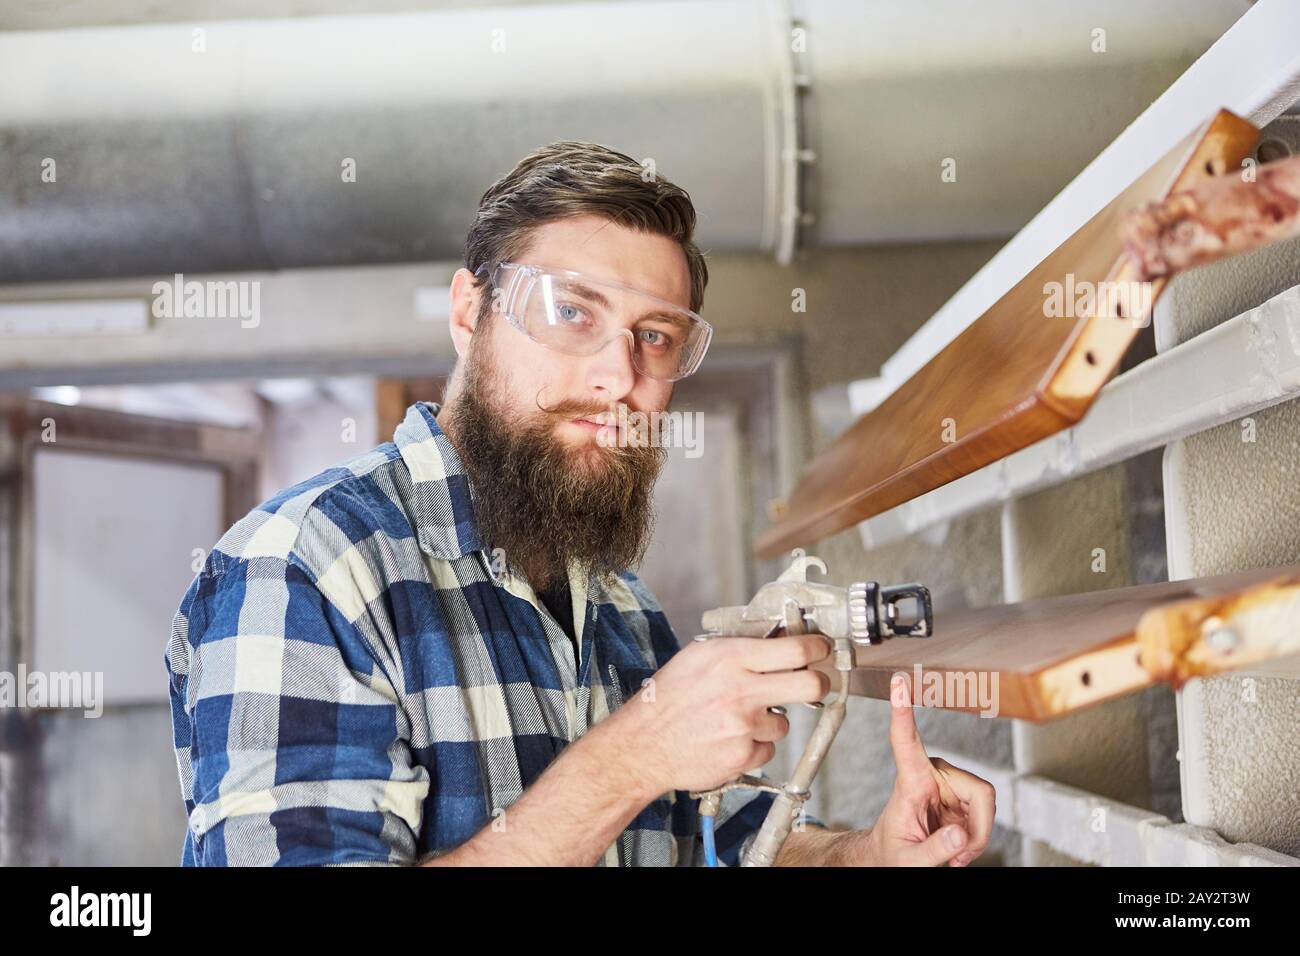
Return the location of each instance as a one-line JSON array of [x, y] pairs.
[[1086, 678], [1089, 357]]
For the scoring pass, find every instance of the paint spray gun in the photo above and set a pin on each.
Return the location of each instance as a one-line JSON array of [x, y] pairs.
[[864, 613]]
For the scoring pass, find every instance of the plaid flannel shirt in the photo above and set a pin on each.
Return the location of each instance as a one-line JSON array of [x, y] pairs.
[[351, 682]]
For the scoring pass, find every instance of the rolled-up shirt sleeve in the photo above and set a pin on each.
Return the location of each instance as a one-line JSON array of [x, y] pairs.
[[290, 736]]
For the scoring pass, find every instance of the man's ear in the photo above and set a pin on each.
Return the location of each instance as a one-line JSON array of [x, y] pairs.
[[465, 298]]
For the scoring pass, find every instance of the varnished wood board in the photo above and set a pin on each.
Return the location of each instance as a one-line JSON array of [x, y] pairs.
[[1049, 657]]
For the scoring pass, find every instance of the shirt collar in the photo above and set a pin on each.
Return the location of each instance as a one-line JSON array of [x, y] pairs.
[[443, 501]]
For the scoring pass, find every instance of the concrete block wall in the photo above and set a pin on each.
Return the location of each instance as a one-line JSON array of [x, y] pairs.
[[1238, 507], [1231, 503]]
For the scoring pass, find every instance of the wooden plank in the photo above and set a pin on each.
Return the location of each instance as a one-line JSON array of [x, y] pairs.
[[1053, 656], [1012, 378]]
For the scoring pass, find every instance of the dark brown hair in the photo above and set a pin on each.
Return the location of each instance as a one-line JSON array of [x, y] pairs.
[[572, 178]]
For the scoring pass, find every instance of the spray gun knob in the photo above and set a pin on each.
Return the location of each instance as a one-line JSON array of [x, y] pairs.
[[859, 616], [873, 612]]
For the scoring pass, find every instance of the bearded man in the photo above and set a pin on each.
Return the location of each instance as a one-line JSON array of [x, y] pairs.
[[438, 653]]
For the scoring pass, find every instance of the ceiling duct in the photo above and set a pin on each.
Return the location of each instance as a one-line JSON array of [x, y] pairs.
[[220, 146]]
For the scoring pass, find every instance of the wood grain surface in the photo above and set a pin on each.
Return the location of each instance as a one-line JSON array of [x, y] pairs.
[[1053, 656]]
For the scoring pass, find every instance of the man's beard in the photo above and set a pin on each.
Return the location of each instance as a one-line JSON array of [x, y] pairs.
[[543, 502]]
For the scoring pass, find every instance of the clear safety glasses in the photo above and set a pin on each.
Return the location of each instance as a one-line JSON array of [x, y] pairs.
[[574, 313]]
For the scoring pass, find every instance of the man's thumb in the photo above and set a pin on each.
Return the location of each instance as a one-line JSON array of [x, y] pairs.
[[939, 847]]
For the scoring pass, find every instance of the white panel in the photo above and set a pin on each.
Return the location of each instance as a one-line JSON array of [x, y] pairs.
[[113, 554], [74, 317]]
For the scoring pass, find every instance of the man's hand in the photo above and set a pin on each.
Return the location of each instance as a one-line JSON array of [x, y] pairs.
[[938, 814], [931, 799], [708, 720]]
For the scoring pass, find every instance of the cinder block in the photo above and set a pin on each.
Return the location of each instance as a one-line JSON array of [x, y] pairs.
[[1184, 845], [1251, 854], [1085, 826]]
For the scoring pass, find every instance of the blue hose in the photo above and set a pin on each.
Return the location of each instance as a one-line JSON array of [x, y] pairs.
[[710, 849]]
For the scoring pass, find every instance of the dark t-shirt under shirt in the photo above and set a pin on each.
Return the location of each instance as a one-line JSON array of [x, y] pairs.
[[560, 603]]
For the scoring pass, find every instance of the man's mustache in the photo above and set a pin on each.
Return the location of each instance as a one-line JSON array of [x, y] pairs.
[[576, 408]]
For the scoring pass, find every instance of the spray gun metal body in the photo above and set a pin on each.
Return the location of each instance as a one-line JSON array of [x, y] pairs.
[[864, 613]]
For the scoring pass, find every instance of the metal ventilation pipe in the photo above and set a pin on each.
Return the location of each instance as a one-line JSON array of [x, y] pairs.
[[219, 147]]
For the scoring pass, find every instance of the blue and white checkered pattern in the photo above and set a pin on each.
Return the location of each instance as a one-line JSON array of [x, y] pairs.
[[351, 683]]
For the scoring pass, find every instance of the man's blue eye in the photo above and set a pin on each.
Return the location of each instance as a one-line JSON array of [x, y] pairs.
[[568, 313], [662, 340]]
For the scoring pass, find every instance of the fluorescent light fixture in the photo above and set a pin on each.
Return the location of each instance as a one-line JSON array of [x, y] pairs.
[[287, 391], [60, 394], [74, 317]]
